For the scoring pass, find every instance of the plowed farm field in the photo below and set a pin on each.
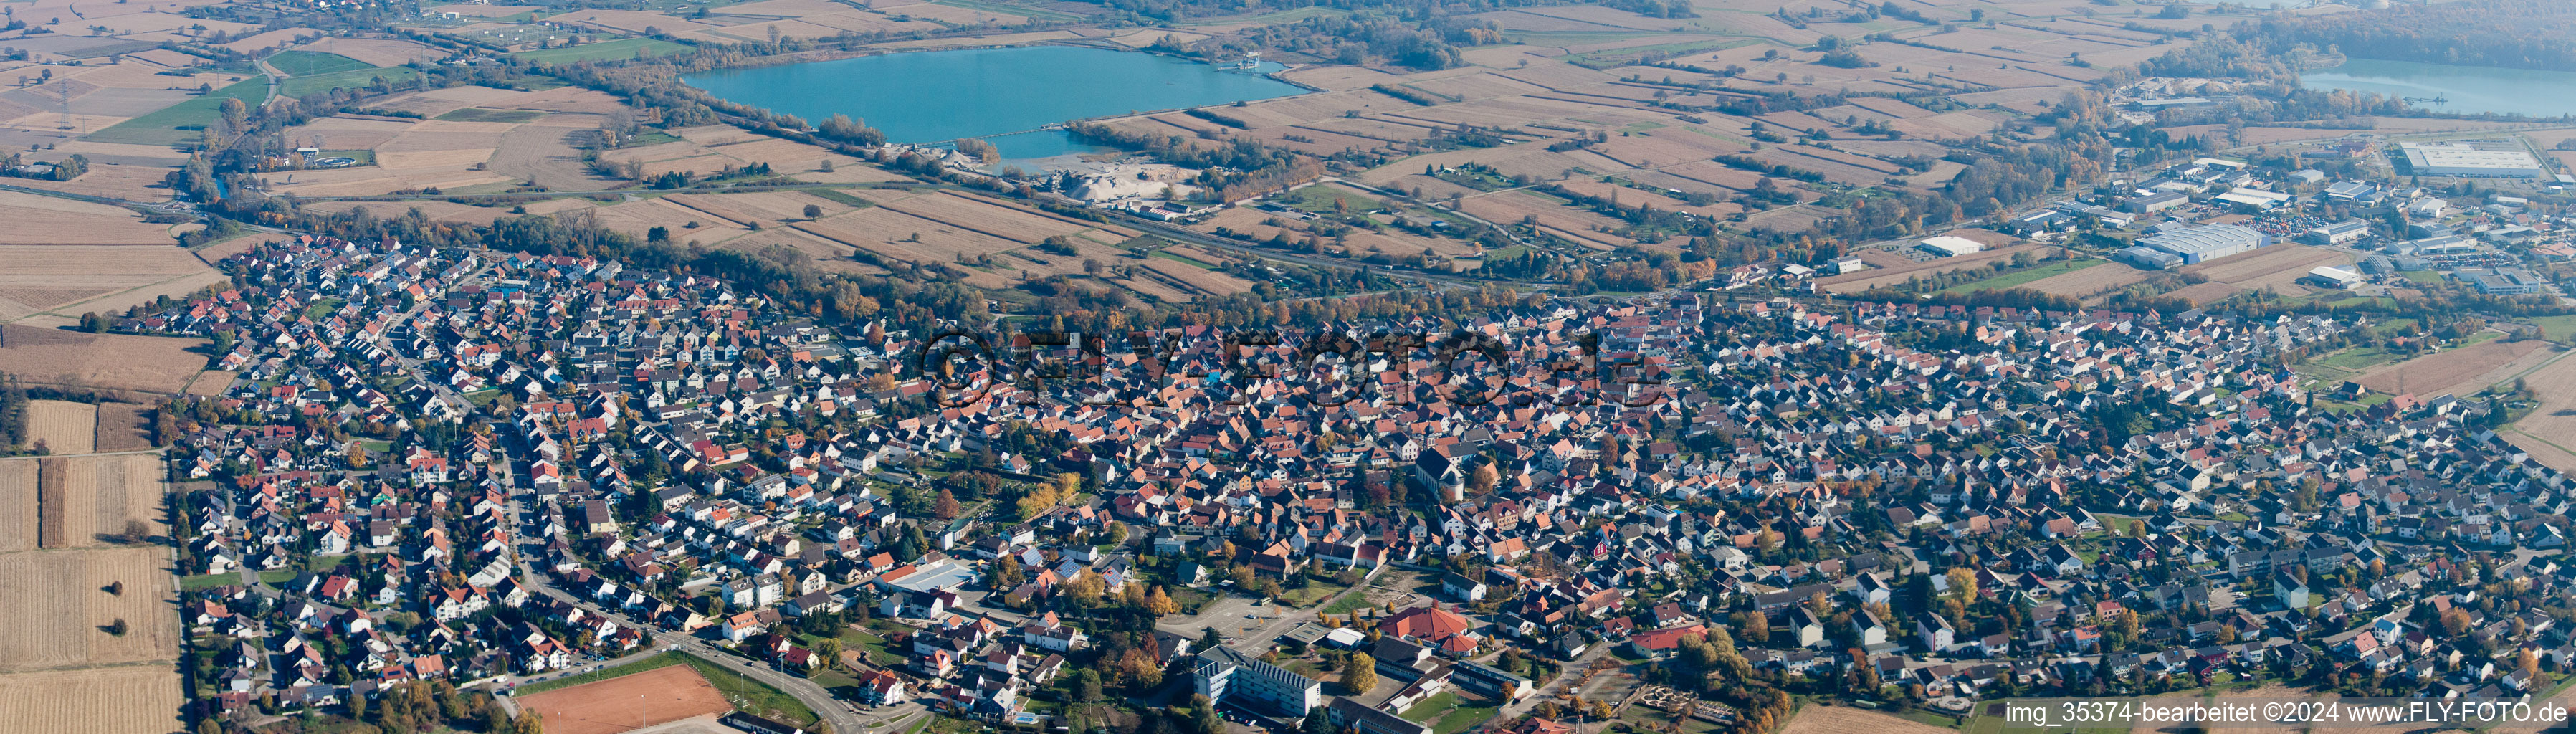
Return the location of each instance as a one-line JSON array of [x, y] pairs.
[[57, 358], [17, 505], [98, 498]]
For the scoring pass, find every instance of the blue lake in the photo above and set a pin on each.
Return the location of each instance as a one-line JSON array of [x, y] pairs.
[[995, 94], [2466, 89]]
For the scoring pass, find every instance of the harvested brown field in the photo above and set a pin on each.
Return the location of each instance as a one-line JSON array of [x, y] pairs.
[[61, 604], [906, 237], [2549, 431], [2278, 267], [17, 505], [2091, 281], [1846, 720], [95, 501], [980, 215], [41, 278], [826, 255], [1196, 278], [125, 699], [124, 427], [377, 51], [70, 359], [548, 152], [77, 223], [2206, 293], [2461, 371], [128, 182], [63, 427], [628, 702], [210, 383]]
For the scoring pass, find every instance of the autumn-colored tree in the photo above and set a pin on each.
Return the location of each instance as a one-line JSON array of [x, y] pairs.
[[1360, 676], [1007, 574], [1161, 604], [1085, 589], [1963, 582]]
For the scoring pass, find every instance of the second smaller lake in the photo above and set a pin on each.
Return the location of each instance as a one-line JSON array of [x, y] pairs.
[[2466, 89]]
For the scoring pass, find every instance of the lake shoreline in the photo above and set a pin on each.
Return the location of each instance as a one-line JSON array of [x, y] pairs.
[[2492, 93], [998, 92]]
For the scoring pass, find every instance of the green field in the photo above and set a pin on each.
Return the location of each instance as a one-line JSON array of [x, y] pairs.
[[2555, 328], [1446, 714], [1319, 199], [478, 114], [2023, 277], [180, 123], [663, 660], [1001, 9], [300, 63], [839, 196], [754, 696], [1349, 603], [1315, 591], [297, 86], [623, 48]]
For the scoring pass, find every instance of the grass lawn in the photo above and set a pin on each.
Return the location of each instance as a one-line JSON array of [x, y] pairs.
[[300, 85], [322, 307], [1431, 708], [1314, 593], [623, 48], [1349, 603], [1309, 668], [300, 63], [839, 196], [2555, 327], [363, 157], [2422, 276], [1191, 600], [663, 660], [873, 644], [1452, 716], [753, 696], [2023, 277], [180, 123], [1319, 199], [2357, 359], [478, 114], [1192, 262], [212, 580]]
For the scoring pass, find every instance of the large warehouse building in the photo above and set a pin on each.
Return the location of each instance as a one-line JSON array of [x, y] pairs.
[[2207, 242], [2465, 158]]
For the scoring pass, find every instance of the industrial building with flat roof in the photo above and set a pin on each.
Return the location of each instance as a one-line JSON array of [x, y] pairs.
[[2501, 281], [2333, 277], [2207, 242], [1948, 246], [2338, 233], [2459, 158]]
